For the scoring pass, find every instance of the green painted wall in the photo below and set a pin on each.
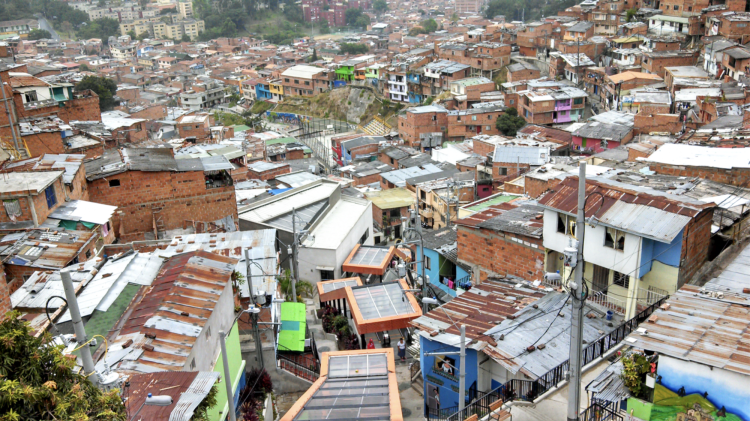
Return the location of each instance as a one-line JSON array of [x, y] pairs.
[[640, 408], [236, 368]]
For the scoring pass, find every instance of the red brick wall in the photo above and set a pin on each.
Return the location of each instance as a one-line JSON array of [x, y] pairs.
[[735, 177], [482, 148], [182, 196], [270, 174], [40, 206], [634, 154], [695, 246], [81, 109], [4, 296], [199, 130], [495, 254], [368, 179], [535, 187], [411, 125], [377, 216], [153, 112], [647, 123], [363, 150]]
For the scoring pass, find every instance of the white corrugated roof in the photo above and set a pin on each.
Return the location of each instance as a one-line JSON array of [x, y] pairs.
[[701, 156], [302, 71], [522, 154]]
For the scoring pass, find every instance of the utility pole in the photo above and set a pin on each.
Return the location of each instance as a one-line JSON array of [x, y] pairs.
[[10, 121], [249, 276], [293, 264], [75, 316], [227, 376], [576, 290]]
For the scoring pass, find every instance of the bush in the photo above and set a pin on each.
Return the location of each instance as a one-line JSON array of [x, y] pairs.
[[329, 313]]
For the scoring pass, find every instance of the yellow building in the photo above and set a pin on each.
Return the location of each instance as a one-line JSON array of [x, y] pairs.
[[276, 88], [185, 9]]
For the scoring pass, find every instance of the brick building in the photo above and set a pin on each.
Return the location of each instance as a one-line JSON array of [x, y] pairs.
[[156, 193], [723, 165], [303, 80], [421, 120], [487, 57], [522, 71], [551, 106], [197, 125], [263, 170], [465, 124], [388, 206], [657, 61], [469, 91], [503, 240]]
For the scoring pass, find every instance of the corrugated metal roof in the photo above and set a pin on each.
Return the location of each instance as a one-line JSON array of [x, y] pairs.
[[47, 249], [480, 309], [40, 287], [175, 310], [608, 385], [522, 154], [187, 389], [639, 210], [81, 210], [700, 328]]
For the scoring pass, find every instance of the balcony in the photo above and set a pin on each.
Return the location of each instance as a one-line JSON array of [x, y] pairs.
[[39, 104], [563, 105], [427, 213]]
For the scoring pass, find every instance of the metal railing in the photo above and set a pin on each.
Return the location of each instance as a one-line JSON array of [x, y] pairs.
[[528, 390], [651, 295], [303, 366], [599, 412], [610, 303]]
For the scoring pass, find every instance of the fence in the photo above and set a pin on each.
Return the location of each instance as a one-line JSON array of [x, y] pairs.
[[598, 412], [607, 301], [303, 366], [528, 390]]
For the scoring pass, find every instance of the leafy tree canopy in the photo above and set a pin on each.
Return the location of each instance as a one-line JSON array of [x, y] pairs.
[[380, 6], [509, 122], [348, 48], [39, 34], [100, 28], [534, 9], [429, 25], [38, 383], [104, 88]]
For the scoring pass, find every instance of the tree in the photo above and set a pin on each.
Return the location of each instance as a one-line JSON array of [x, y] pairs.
[[429, 25], [66, 27], [100, 28], [352, 15], [102, 3], [379, 6], [167, 11], [454, 17], [131, 34], [314, 56], [104, 88], [629, 14], [186, 38], [35, 34], [84, 67], [509, 122], [324, 28], [348, 48], [38, 383]]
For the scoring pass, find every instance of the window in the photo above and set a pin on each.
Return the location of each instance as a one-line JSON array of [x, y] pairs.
[[427, 263], [489, 117], [192, 364], [49, 192], [88, 254], [578, 101], [208, 332], [395, 213], [434, 118], [487, 127], [473, 118], [364, 237], [307, 82], [286, 79], [12, 208], [676, 7], [614, 239], [30, 96], [326, 275], [566, 224], [621, 279], [502, 171]]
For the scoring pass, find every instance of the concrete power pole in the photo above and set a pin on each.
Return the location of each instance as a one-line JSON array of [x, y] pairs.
[[75, 315], [576, 290], [293, 263], [461, 368], [227, 375]]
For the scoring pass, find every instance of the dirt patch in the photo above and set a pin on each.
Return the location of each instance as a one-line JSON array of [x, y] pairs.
[[285, 402]]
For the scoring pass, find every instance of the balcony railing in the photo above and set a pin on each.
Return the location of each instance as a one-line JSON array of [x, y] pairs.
[[39, 104], [529, 390]]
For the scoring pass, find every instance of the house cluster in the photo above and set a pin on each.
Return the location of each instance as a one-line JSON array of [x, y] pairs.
[[206, 230]]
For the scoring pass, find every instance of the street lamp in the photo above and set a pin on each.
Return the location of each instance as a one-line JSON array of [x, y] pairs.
[[159, 400]]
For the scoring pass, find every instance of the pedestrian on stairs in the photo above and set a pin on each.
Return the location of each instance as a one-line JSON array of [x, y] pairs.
[[402, 349]]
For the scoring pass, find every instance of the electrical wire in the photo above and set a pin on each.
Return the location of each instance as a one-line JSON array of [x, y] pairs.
[[106, 348], [46, 310]]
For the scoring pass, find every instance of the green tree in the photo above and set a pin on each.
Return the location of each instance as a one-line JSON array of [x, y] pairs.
[[324, 28], [454, 17], [314, 55], [167, 11], [100, 28], [38, 383], [509, 122], [102, 3], [84, 68], [186, 38], [352, 15], [348, 48], [105, 88], [629, 14], [35, 34], [67, 27], [132, 34], [380, 6], [429, 25]]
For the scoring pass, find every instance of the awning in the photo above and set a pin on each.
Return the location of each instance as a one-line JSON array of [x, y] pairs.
[[328, 268], [293, 327]]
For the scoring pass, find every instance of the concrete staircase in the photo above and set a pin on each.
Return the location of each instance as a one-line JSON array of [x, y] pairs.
[[376, 127]]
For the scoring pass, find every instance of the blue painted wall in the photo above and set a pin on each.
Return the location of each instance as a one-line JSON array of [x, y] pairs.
[[725, 388], [436, 263], [449, 388], [262, 93], [669, 254]]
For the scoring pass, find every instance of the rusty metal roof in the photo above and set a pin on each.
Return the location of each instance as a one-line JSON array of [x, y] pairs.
[[701, 328], [47, 249], [639, 210], [187, 389], [181, 299], [480, 309]]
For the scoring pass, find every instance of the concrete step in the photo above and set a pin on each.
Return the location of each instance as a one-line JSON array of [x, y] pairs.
[[418, 386]]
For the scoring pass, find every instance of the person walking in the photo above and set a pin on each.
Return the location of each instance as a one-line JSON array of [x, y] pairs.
[[402, 349], [370, 344]]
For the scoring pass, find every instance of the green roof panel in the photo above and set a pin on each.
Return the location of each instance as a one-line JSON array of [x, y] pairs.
[[293, 327]]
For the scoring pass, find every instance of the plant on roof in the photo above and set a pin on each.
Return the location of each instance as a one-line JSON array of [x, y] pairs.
[[37, 381], [201, 411], [634, 369]]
